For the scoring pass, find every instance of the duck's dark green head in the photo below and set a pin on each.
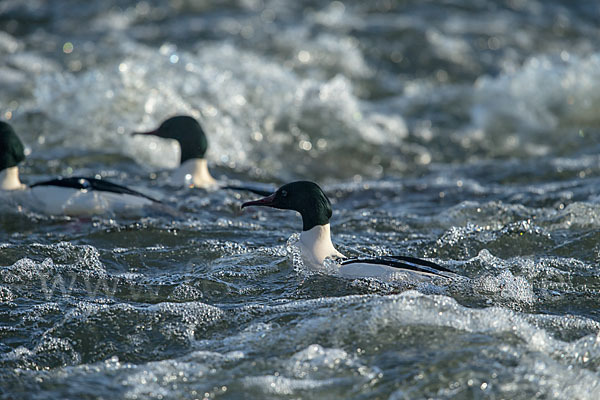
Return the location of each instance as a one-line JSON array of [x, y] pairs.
[[11, 149], [187, 131], [303, 196]]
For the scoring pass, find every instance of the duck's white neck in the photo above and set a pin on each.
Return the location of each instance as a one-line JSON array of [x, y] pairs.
[[9, 179], [315, 245], [193, 172]]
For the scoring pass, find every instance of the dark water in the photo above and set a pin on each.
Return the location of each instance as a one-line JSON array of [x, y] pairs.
[[463, 131]]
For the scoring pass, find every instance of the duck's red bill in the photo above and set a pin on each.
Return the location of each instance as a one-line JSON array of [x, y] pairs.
[[154, 132], [266, 202]]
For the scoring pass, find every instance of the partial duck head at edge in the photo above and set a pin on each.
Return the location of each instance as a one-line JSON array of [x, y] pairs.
[[188, 133], [305, 197], [12, 151]]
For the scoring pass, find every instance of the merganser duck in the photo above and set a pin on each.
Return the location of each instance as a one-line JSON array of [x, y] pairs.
[[316, 247], [73, 196], [193, 167]]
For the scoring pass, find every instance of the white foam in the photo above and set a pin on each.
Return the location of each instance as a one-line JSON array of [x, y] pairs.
[[235, 94], [507, 286], [537, 98]]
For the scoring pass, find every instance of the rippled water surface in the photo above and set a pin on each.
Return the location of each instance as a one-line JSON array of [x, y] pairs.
[[466, 132]]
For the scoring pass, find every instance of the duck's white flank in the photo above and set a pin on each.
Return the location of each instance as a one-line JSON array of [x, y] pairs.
[[315, 245], [9, 179], [58, 200], [379, 271], [193, 172]]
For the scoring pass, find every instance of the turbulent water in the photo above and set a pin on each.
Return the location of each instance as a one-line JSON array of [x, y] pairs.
[[466, 132]]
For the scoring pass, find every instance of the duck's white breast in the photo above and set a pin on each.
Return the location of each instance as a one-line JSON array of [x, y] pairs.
[[315, 246], [193, 173]]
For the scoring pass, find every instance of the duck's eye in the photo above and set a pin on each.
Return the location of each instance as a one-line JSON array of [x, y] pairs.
[[284, 193]]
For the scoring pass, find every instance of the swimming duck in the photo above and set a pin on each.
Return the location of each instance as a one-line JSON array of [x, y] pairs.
[[193, 168], [315, 244], [73, 196]]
